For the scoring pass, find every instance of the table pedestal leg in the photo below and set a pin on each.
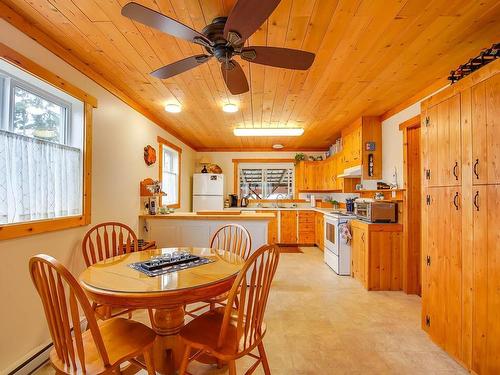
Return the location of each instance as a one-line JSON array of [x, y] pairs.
[[168, 348]]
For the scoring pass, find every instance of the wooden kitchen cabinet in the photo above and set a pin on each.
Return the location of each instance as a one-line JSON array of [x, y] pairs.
[[359, 244], [288, 230], [376, 255], [322, 175], [306, 227], [320, 230], [485, 120], [272, 228], [460, 227], [442, 268], [441, 139], [355, 137], [486, 280]]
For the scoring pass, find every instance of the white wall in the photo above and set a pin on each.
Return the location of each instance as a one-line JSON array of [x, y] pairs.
[[225, 161], [392, 144], [119, 135], [392, 141]]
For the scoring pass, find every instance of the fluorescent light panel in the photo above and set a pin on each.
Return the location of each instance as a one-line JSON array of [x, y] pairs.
[[268, 132]]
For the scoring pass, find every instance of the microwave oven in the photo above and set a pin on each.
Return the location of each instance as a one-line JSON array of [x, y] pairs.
[[376, 212]]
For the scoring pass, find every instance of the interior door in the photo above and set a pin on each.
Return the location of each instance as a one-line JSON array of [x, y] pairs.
[[486, 282], [443, 146], [442, 294], [485, 119]]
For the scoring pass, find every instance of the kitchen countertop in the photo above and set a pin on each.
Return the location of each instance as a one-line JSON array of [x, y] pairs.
[[326, 211], [383, 227], [215, 216]]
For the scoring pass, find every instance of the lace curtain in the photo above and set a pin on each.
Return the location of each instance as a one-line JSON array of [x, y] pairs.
[[38, 179]]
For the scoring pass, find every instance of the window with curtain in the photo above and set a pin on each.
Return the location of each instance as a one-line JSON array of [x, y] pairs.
[[41, 149], [170, 174], [266, 181]]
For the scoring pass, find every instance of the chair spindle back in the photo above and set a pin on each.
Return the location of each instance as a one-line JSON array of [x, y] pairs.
[[233, 238], [107, 240], [62, 300], [251, 288]]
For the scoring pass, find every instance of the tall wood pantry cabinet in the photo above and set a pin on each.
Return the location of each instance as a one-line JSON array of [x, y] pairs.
[[460, 226]]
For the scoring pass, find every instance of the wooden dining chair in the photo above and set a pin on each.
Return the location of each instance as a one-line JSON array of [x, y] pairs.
[[107, 240], [99, 350], [232, 238], [229, 333], [104, 241]]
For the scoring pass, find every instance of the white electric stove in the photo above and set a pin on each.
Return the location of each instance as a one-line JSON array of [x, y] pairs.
[[337, 251]]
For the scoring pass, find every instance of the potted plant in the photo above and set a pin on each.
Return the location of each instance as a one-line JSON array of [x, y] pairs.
[[300, 157]]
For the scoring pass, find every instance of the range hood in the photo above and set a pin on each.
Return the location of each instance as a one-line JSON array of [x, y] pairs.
[[353, 172]]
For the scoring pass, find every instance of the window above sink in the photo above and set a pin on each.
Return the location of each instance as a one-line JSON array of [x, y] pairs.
[[274, 181]]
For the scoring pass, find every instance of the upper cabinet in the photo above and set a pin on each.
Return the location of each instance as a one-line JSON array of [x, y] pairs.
[[361, 146], [441, 143], [485, 121]]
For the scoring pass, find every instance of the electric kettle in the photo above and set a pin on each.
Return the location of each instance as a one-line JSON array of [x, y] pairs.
[[244, 202]]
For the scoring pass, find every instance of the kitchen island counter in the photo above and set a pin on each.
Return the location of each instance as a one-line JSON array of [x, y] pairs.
[[194, 229], [211, 216]]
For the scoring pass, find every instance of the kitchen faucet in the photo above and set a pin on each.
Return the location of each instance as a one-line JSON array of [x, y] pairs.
[[278, 198]]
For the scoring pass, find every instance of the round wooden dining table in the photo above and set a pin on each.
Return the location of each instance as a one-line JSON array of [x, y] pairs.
[[113, 282]]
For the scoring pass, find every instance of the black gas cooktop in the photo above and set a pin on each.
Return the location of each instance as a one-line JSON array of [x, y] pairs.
[[166, 263]]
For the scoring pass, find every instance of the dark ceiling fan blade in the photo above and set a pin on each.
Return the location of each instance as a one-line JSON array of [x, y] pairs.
[[246, 17], [278, 57], [161, 22], [235, 78], [180, 66]]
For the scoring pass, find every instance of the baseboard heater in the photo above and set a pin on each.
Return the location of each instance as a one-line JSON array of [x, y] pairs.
[[34, 362], [38, 359]]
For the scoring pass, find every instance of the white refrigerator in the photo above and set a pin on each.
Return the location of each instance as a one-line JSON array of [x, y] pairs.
[[208, 192]]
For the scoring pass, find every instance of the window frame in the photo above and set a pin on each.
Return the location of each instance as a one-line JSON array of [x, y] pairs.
[[32, 89], [163, 142], [15, 230], [236, 173]]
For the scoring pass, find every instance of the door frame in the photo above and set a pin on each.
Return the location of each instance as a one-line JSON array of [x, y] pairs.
[[411, 282]]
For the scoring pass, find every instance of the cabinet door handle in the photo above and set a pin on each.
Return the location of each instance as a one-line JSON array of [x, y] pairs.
[[476, 200], [476, 164], [455, 170], [455, 201], [363, 236]]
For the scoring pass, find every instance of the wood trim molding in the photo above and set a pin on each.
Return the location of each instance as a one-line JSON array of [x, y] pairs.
[[15, 230], [261, 149], [29, 66], [169, 144], [164, 142], [413, 122], [472, 79], [264, 160], [19, 22], [236, 163], [439, 84]]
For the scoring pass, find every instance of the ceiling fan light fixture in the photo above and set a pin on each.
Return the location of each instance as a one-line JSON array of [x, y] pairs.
[[268, 132], [230, 108], [173, 108]]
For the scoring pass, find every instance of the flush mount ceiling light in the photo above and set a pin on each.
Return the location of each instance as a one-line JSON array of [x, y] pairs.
[[278, 146], [268, 132], [230, 108], [173, 108]]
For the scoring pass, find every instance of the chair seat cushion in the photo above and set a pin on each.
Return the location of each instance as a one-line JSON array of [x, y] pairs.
[[123, 339], [203, 333]]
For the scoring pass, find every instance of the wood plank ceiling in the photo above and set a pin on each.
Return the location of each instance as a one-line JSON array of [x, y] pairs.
[[370, 56]]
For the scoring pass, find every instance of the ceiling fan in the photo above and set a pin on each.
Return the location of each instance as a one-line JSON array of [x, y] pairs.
[[224, 38]]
